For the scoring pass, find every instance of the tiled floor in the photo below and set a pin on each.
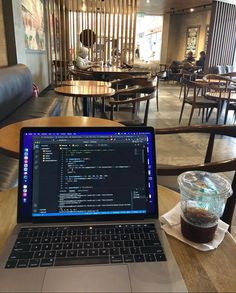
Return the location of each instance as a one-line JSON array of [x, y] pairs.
[[178, 149]]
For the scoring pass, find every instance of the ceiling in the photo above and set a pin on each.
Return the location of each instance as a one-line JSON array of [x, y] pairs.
[[163, 6], [153, 7]]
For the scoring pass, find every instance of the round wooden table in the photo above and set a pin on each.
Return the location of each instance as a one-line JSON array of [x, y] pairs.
[[86, 83], [212, 271], [10, 134], [85, 92]]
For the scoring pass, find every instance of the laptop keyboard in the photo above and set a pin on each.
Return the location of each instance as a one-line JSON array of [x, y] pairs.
[[83, 245]]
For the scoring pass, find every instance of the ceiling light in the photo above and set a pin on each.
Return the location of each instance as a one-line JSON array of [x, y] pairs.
[[147, 1], [191, 9]]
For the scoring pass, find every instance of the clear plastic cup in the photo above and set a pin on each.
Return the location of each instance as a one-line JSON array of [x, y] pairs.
[[203, 198]]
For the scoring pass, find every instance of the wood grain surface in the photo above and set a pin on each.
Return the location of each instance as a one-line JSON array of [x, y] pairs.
[[86, 83], [10, 134], [85, 91], [212, 271]]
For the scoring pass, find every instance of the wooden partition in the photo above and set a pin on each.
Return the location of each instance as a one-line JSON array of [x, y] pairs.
[[222, 34], [106, 27]]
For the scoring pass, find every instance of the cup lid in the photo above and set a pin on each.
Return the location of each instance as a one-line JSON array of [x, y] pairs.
[[199, 183]]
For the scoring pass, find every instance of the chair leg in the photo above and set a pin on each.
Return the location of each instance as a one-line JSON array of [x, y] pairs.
[[181, 113], [203, 114], [191, 115], [157, 99], [226, 113], [218, 114], [208, 114], [94, 100], [103, 105], [181, 89]]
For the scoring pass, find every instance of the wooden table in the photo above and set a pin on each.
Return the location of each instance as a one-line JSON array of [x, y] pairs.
[[85, 92], [86, 83], [113, 70], [212, 271], [10, 134]]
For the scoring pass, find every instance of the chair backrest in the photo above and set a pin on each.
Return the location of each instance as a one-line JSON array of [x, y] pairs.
[[82, 74], [222, 81], [209, 77], [207, 164], [230, 74], [121, 82], [134, 95], [193, 88]]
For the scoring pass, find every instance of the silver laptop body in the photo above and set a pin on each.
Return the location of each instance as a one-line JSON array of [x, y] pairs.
[[93, 180]]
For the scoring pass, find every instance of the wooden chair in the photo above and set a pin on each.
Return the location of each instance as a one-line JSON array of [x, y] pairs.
[[218, 80], [123, 81], [152, 80], [186, 75], [60, 70], [79, 74], [198, 101], [222, 89], [207, 165], [132, 115]]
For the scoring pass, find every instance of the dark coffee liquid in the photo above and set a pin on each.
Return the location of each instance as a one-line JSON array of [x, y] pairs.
[[200, 225]]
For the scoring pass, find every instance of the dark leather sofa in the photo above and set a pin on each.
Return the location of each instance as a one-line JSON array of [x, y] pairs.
[[16, 101], [15, 88], [16, 104]]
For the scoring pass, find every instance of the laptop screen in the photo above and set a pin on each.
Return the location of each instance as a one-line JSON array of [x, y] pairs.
[[87, 173]]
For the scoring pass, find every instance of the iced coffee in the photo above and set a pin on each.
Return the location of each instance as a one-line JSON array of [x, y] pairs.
[[203, 197]]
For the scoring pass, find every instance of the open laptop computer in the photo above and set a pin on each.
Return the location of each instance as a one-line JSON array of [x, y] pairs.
[[87, 218]]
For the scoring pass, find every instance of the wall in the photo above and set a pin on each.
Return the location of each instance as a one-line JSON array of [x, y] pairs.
[[36, 61], [3, 47], [177, 33]]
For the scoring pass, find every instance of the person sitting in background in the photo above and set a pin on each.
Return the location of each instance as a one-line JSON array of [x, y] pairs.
[[202, 59], [190, 57], [188, 63], [82, 61]]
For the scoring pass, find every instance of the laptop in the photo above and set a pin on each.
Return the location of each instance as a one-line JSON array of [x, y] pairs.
[[87, 216]]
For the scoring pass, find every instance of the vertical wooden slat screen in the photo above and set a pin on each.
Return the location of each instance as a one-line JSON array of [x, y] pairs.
[[222, 35], [113, 23], [49, 19]]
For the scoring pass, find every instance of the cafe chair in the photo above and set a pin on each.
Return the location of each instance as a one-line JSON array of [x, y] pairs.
[[186, 75], [123, 81], [232, 77], [209, 165], [195, 96], [79, 74], [152, 80], [136, 114], [218, 80], [60, 70], [222, 90]]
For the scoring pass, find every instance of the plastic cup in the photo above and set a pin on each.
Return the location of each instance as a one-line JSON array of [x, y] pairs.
[[203, 198]]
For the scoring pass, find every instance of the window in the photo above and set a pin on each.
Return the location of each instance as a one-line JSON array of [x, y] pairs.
[[148, 37]]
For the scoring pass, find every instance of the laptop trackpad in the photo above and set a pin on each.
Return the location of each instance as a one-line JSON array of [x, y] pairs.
[[87, 279]]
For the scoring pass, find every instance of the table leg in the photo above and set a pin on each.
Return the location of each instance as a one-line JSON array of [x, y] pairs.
[[85, 107]]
